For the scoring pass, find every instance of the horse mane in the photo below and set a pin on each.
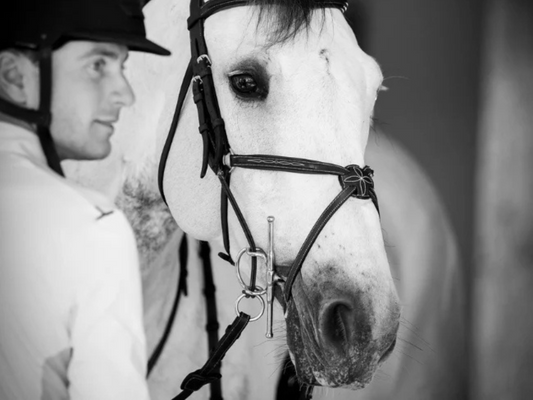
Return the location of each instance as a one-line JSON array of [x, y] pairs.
[[285, 18]]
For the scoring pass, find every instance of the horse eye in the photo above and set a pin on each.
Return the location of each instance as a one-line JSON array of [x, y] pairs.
[[247, 87]]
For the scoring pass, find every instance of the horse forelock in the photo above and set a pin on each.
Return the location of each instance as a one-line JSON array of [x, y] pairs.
[[284, 19]]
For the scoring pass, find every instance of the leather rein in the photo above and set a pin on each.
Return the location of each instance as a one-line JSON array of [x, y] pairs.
[[355, 181]]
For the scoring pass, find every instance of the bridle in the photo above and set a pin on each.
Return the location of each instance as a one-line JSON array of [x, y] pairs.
[[355, 181]]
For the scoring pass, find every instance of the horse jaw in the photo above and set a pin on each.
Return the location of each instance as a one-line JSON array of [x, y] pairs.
[[344, 314]]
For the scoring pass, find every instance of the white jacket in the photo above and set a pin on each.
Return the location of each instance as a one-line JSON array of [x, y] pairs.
[[70, 288]]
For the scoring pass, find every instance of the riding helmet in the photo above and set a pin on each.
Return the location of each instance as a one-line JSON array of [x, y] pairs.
[[34, 23], [45, 25]]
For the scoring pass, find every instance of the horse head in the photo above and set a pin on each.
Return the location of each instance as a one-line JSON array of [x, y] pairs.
[[301, 88]]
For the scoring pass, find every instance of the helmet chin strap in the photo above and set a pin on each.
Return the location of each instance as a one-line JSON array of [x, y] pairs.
[[43, 130], [41, 117]]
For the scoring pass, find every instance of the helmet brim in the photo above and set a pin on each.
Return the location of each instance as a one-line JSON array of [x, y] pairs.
[[134, 43]]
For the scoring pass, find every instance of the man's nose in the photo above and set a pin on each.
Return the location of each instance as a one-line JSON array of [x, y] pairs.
[[123, 95]]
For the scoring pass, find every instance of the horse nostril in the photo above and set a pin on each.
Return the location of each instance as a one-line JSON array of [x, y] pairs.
[[337, 323]]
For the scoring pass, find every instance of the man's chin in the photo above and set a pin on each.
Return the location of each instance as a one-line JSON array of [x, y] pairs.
[[92, 153], [98, 153]]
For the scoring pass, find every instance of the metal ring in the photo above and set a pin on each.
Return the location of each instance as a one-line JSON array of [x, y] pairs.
[[260, 291], [237, 311], [258, 253], [226, 160]]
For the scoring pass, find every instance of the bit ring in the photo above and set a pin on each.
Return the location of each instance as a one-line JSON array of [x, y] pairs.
[[258, 253]]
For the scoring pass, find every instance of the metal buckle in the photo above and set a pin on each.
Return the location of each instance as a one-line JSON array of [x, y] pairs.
[[204, 57]]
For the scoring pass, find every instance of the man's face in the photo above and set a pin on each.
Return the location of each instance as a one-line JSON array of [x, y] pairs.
[[88, 91]]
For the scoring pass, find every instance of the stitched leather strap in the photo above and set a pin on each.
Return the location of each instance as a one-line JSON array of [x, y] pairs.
[[355, 181], [285, 164]]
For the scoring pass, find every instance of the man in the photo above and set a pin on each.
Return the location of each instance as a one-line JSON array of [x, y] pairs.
[[70, 296]]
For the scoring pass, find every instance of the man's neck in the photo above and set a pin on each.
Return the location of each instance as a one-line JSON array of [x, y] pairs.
[[14, 121]]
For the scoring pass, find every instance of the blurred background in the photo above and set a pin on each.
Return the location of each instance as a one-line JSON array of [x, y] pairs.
[[460, 99]]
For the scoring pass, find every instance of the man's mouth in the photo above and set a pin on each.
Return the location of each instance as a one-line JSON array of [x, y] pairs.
[[107, 123]]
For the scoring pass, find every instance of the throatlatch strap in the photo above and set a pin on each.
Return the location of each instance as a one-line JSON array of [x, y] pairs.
[[195, 380], [172, 130]]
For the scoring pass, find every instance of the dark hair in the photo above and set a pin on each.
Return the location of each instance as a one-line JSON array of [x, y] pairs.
[[32, 55], [286, 17]]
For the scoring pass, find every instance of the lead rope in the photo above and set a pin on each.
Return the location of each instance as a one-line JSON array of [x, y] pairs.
[[212, 324], [288, 384], [210, 371]]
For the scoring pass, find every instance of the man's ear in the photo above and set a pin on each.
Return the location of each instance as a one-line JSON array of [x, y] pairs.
[[15, 71]]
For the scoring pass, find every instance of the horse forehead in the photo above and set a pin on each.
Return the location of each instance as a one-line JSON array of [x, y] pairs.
[[235, 34], [238, 30]]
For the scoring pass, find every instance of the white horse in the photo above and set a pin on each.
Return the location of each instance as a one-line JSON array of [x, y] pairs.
[[317, 91]]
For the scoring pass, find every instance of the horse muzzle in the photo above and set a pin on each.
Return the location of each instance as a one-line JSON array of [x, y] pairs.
[[336, 337]]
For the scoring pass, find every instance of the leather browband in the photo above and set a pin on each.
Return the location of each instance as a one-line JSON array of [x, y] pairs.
[[214, 6]]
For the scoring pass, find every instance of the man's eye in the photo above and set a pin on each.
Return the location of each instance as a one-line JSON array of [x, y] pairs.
[[98, 65]]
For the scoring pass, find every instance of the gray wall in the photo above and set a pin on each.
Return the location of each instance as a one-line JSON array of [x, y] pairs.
[[460, 99], [429, 53]]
